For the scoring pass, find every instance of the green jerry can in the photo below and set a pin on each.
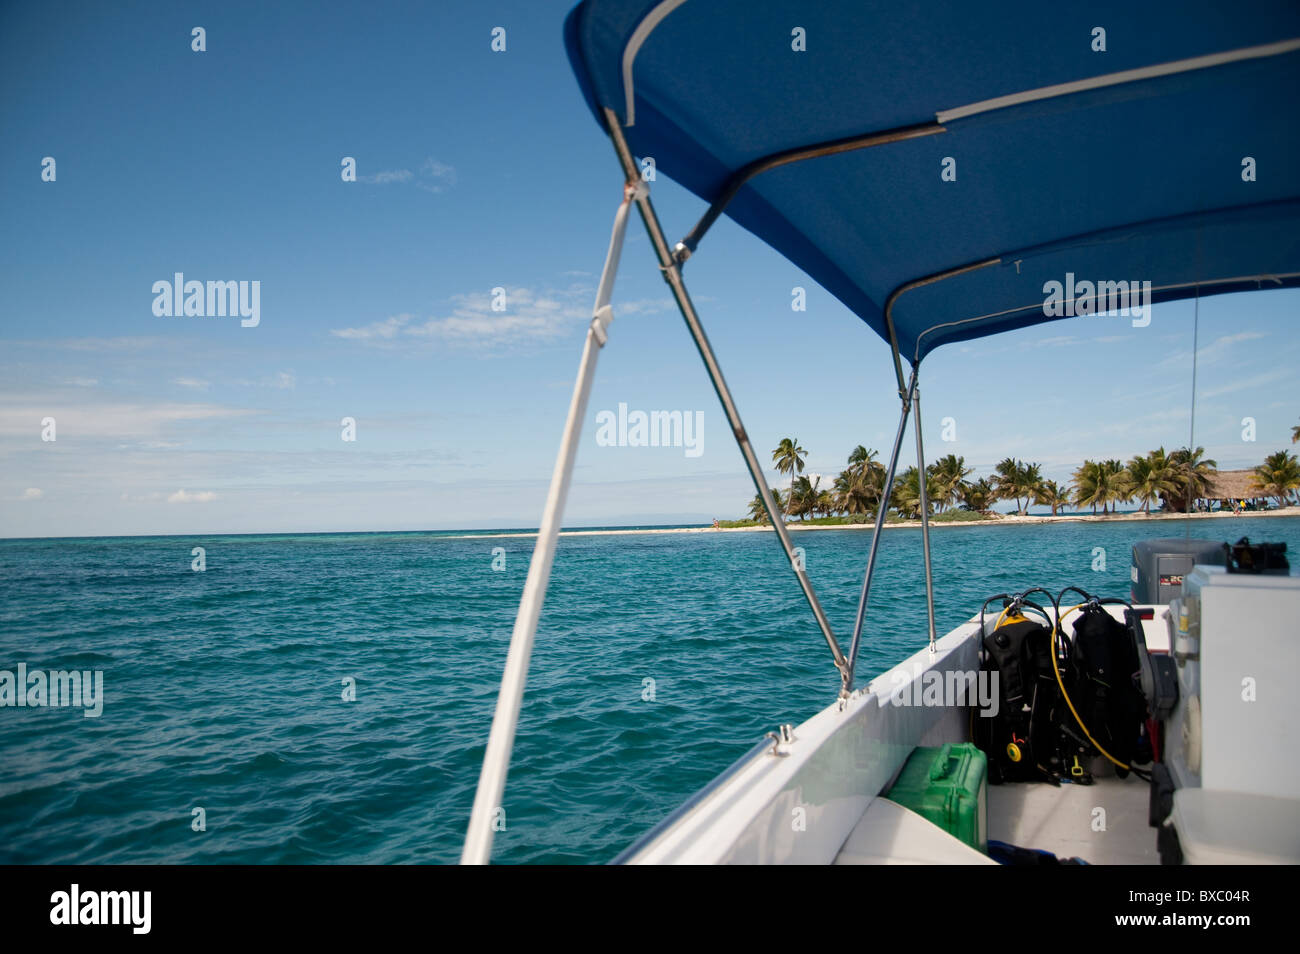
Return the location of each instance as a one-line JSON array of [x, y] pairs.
[[947, 785]]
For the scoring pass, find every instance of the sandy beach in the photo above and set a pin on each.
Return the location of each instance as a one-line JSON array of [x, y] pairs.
[[1003, 520]]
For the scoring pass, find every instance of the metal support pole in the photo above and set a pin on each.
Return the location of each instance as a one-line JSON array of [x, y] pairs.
[[881, 508], [686, 247], [672, 275], [925, 506], [501, 739]]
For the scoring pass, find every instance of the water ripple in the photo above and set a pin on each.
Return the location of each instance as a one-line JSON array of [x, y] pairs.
[[659, 660]]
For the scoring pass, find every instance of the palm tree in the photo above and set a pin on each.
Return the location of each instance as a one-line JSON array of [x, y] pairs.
[[803, 497], [856, 493], [949, 475], [906, 495], [794, 497], [1051, 494], [978, 496], [1114, 484], [862, 459], [1278, 476], [840, 486], [1194, 476], [1295, 434], [789, 458], [1101, 482], [1030, 482], [756, 509], [1148, 477], [1004, 479], [857, 488], [825, 503], [1016, 480], [1089, 489]]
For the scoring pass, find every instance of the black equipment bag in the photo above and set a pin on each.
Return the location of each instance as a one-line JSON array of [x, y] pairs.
[[1103, 683], [1020, 739]]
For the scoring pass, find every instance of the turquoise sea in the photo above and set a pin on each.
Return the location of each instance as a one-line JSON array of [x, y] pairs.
[[223, 689]]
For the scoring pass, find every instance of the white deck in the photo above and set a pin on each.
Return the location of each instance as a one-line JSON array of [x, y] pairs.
[[816, 800], [890, 834], [1104, 823]]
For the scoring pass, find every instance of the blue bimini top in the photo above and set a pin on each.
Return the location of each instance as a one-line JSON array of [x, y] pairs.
[[970, 161]]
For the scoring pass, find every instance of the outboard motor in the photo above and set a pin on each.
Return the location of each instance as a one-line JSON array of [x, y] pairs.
[[1160, 565]]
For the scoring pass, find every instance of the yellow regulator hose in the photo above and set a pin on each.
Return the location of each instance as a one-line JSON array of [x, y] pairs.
[[1066, 696]]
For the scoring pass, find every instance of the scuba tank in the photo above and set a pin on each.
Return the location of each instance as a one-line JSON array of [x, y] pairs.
[[1062, 700], [1108, 706], [1021, 739]]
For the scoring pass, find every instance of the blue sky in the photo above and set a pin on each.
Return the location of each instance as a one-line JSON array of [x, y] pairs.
[[476, 170]]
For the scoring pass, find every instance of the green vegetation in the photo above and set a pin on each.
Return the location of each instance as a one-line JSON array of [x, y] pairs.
[[1278, 476], [1016, 480], [1175, 479], [951, 516], [1051, 494], [1195, 477], [788, 458], [1100, 482], [1147, 478]]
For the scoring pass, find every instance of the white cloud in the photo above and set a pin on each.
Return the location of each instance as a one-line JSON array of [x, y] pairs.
[[182, 496], [1055, 341], [33, 493], [641, 306], [530, 317], [118, 421], [83, 382], [1233, 339], [1069, 341], [388, 328], [119, 344], [434, 176], [438, 170], [1212, 352], [1256, 381], [280, 380], [195, 384], [389, 176]]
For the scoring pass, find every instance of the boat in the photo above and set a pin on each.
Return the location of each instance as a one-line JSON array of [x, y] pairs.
[[953, 172]]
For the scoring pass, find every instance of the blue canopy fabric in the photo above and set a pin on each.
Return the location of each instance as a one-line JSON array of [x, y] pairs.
[[1135, 179]]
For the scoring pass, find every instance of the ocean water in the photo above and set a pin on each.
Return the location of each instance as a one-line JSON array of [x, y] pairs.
[[223, 689]]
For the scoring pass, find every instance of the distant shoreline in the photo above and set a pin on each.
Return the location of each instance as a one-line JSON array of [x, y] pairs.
[[1004, 520], [999, 520]]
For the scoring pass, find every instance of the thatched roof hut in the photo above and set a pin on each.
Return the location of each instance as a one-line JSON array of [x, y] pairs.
[[1234, 485]]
